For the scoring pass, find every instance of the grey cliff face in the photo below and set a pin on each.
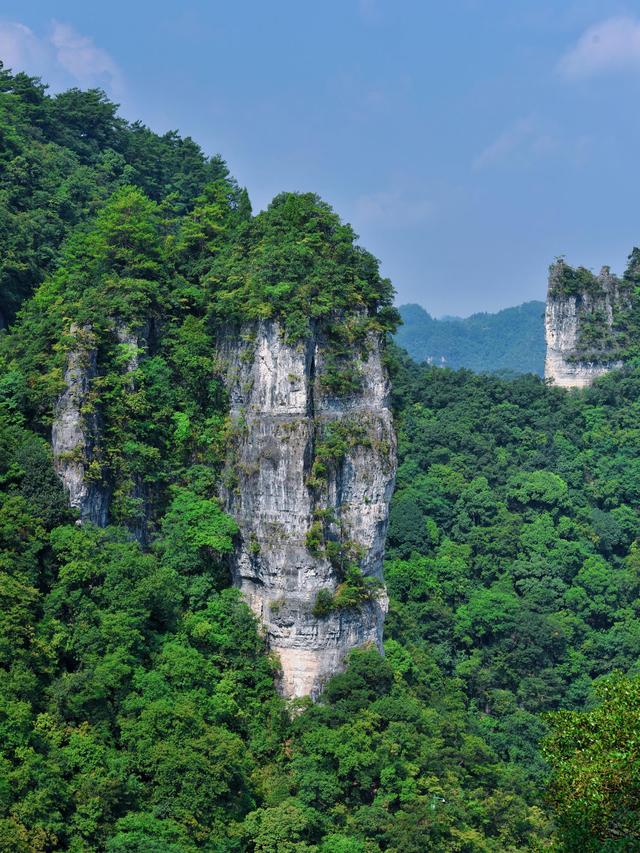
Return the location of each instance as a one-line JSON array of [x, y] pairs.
[[76, 429], [309, 481], [280, 414], [568, 364]]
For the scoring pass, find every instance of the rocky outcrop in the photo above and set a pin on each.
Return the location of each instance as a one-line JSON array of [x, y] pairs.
[[298, 516], [309, 479], [582, 322], [76, 429], [132, 344]]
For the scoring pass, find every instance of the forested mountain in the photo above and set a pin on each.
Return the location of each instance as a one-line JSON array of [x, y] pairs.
[[510, 341], [138, 707], [60, 158]]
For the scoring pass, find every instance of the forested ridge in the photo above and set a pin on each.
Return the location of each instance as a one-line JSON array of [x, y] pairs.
[[508, 342], [137, 703]]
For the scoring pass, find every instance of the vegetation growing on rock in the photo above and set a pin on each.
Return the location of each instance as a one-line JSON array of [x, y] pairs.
[[137, 700]]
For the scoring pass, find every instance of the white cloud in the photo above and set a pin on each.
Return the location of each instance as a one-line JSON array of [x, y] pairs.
[[611, 45], [21, 49], [525, 140], [83, 60], [63, 57], [394, 208]]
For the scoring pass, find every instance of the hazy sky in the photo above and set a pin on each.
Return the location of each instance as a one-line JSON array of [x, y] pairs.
[[469, 142]]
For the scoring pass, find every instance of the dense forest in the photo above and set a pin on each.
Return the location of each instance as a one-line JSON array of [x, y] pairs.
[[508, 342], [137, 703]]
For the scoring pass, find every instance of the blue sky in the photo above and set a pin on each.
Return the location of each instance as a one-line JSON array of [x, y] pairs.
[[469, 142]]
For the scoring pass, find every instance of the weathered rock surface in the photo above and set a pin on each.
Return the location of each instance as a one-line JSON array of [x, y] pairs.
[[572, 361], [77, 428], [280, 414], [75, 431]]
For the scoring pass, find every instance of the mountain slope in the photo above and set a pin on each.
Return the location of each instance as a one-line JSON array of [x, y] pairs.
[[511, 340], [141, 367], [61, 157]]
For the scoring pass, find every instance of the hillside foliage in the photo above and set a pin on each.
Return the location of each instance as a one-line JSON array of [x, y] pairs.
[[137, 702], [508, 342]]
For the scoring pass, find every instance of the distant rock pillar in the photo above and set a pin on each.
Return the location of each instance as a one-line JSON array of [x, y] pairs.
[[580, 324]]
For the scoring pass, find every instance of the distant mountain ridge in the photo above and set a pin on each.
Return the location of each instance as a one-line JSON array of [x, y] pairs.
[[511, 340]]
